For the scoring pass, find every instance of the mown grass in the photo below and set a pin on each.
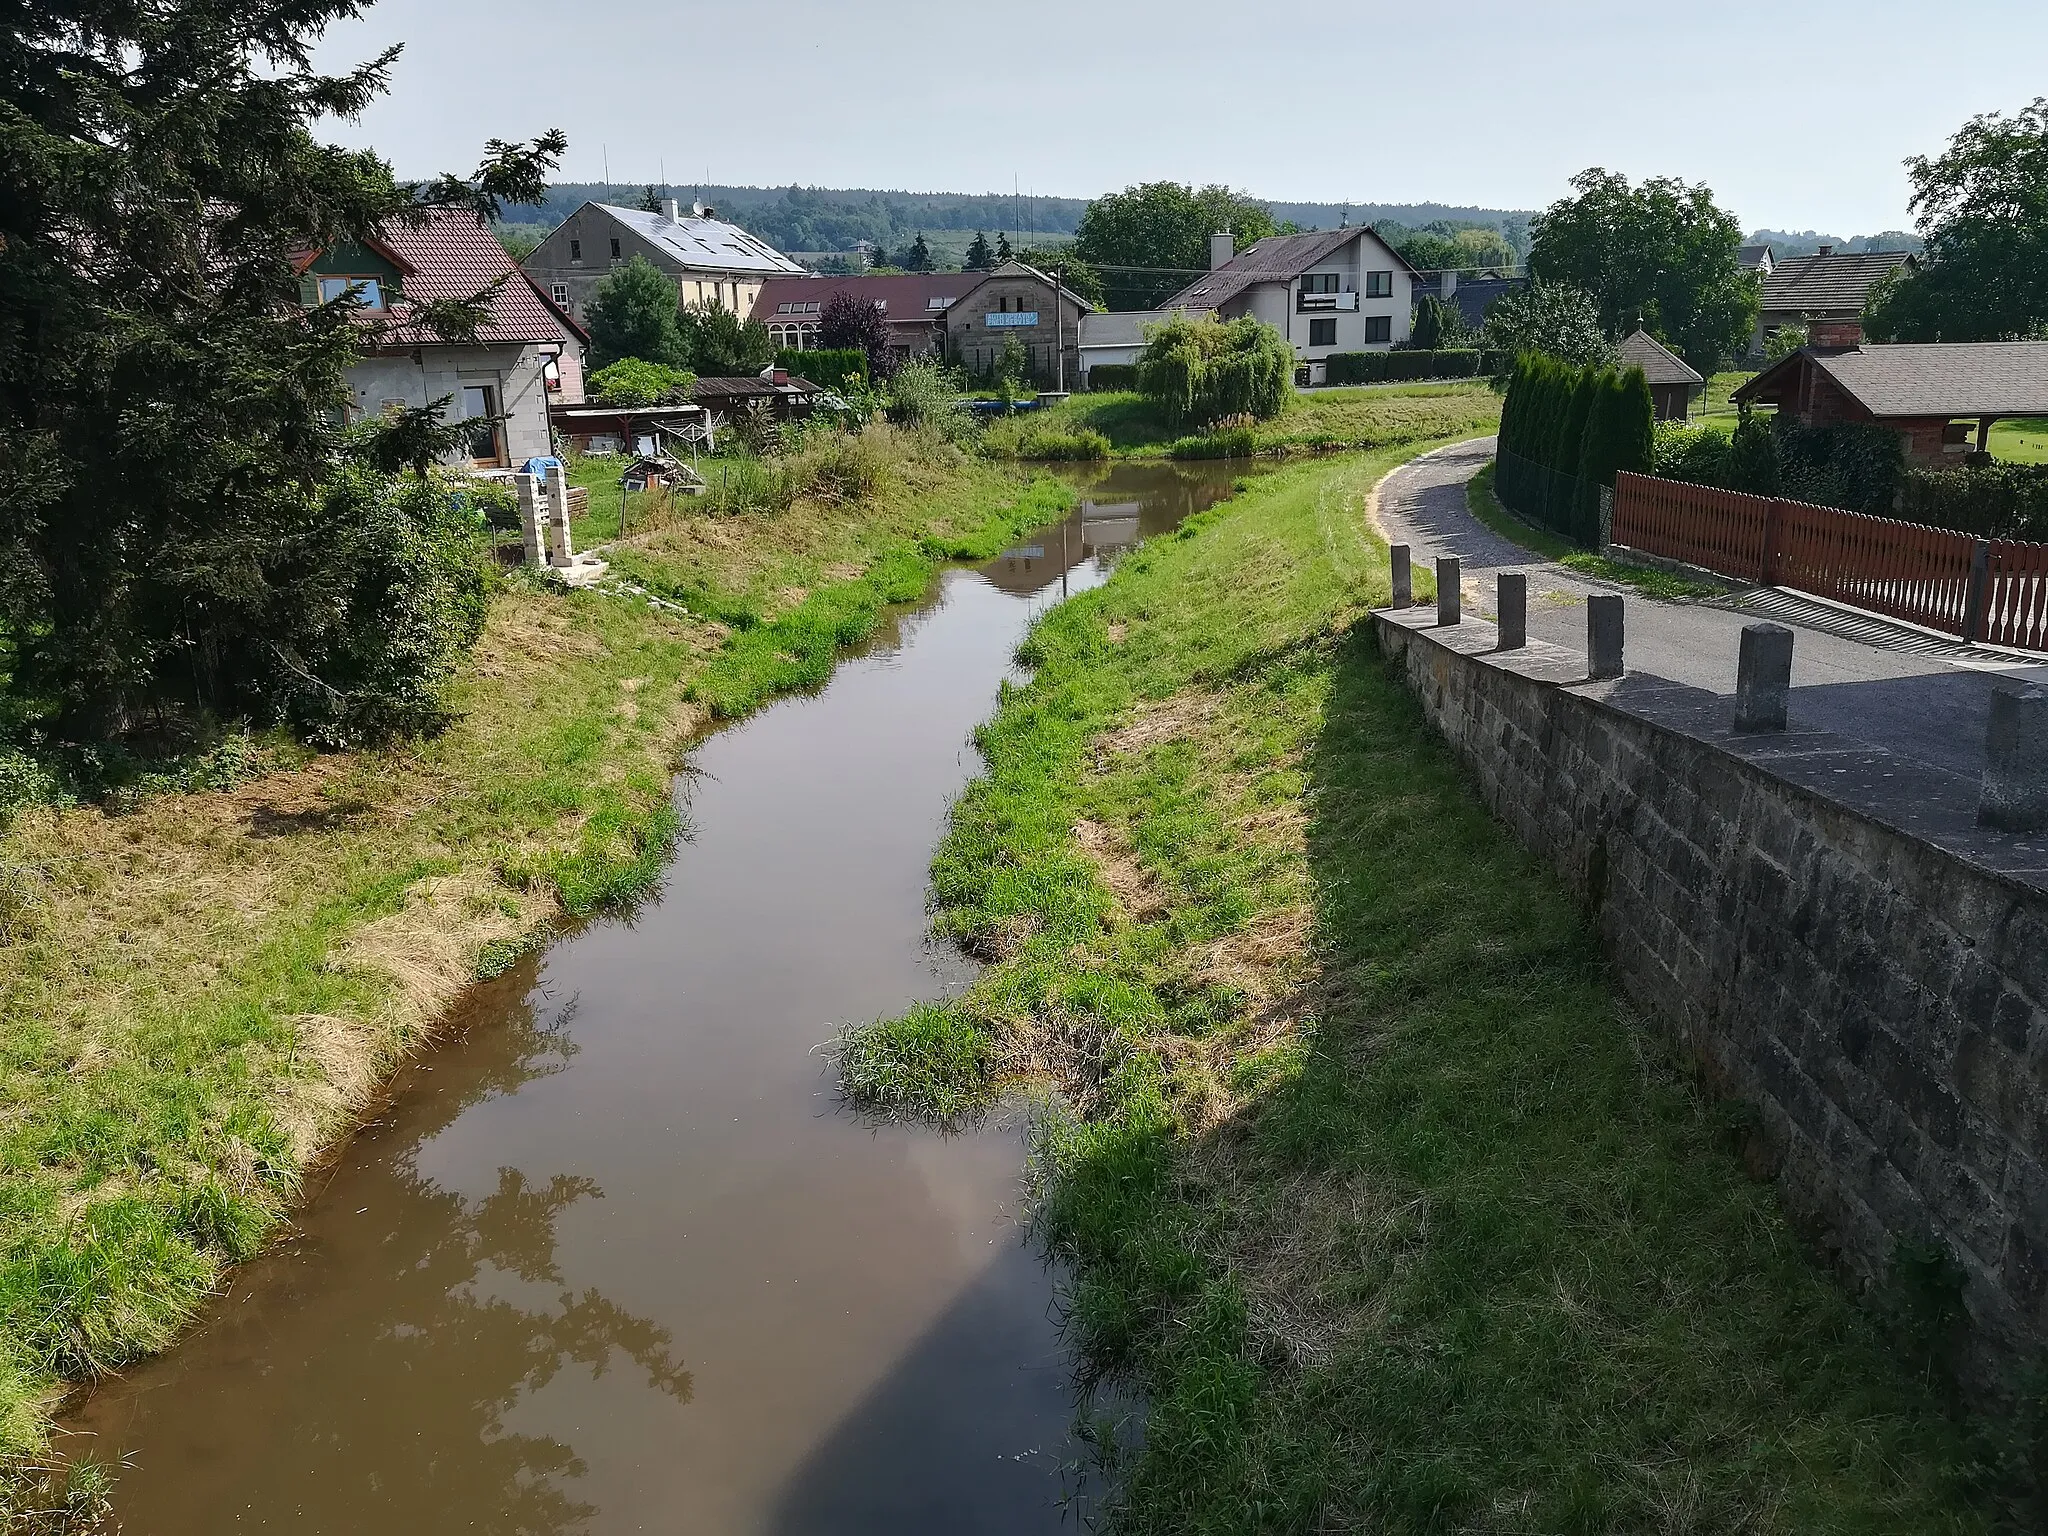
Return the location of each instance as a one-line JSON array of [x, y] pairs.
[[2020, 440], [1395, 1217], [1485, 505], [198, 991], [1376, 416]]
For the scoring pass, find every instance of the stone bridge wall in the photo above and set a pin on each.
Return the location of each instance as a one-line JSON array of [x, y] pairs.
[[1882, 1001]]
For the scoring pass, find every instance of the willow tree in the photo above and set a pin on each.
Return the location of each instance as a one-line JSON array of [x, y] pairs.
[[186, 526]]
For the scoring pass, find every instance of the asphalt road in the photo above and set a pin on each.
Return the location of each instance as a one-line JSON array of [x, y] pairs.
[[1859, 677]]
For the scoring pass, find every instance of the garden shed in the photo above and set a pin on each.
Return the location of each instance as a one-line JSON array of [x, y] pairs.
[[1673, 381]]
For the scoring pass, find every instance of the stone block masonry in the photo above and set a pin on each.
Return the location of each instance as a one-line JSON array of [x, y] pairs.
[[1870, 974]]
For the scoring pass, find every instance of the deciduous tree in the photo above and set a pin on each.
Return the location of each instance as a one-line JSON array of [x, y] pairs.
[[719, 344], [1554, 319], [1162, 224], [632, 313], [1661, 255], [851, 322], [1982, 208]]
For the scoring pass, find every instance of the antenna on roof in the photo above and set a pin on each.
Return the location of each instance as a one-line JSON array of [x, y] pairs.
[[605, 151]]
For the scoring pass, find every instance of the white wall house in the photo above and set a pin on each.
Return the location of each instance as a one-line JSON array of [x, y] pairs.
[[709, 260], [1337, 290]]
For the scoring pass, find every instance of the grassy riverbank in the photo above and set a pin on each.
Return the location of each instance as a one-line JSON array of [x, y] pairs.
[[199, 991], [1379, 416], [1394, 1215]]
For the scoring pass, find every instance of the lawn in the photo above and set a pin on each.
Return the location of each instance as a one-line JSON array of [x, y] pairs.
[[1360, 1174], [2021, 439], [199, 991], [1374, 416]]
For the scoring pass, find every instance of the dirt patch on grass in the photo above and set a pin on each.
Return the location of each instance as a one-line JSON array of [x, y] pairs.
[[1137, 893]]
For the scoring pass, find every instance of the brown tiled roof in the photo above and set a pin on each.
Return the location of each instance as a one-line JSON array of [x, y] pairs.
[[905, 298], [448, 255], [1275, 259], [1659, 363], [1835, 284], [1946, 379]]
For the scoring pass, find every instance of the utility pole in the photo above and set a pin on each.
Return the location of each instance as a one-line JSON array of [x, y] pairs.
[[1059, 323]]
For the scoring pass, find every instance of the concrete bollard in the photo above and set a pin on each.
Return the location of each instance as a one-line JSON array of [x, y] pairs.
[[533, 519], [1404, 578], [1450, 596], [1603, 637], [559, 552], [2015, 793], [1511, 609], [1763, 677]]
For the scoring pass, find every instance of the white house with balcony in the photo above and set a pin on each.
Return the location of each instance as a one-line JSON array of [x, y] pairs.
[[1337, 290]]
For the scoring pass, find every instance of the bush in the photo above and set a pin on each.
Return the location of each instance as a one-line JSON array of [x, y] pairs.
[[1112, 378], [1385, 367], [1696, 455], [1232, 443], [830, 368], [922, 393], [633, 381], [1048, 442], [1989, 499], [836, 467], [1201, 370]]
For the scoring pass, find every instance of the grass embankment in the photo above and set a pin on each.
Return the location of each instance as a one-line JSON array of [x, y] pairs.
[[1376, 416], [199, 991], [1397, 1219], [1486, 506]]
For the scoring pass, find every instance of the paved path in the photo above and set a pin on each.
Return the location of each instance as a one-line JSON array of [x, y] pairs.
[[1853, 676]]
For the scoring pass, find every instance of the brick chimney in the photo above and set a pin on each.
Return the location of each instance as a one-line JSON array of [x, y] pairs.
[[1222, 247], [1834, 335], [1826, 250]]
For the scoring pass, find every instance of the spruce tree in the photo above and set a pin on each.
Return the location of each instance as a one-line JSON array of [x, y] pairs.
[[633, 314], [186, 528], [1003, 252], [980, 257], [919, 257], [1428, 332]]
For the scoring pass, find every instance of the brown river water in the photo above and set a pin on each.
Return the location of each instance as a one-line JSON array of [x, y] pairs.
[[614, 1257]]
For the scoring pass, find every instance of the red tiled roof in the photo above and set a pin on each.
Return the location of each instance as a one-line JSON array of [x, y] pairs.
[[906, 296], [449, 255]]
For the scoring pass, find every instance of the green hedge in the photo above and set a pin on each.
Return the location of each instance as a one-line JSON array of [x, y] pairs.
[[1113, 378], [1386, 367], [1565, 431], [829, 368]]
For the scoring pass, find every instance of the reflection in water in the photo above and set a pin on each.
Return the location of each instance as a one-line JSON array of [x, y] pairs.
[[630, 1160]]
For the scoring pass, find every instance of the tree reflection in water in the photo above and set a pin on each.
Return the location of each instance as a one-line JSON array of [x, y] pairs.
[[365, 1380]]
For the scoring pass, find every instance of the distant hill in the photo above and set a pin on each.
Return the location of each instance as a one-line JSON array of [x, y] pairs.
[[1785, 245], [818, 219]]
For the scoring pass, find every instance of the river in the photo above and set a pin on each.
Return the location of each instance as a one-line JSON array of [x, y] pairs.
[[614, 1257]]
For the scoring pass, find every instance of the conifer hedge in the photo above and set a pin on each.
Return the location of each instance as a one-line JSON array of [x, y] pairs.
[[1565, 431]]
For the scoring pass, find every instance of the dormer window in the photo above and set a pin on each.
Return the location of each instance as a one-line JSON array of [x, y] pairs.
[[368, 291]]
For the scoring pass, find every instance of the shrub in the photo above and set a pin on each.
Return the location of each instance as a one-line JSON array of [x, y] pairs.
[[1231, 443], [1989, 499], [1696, 455], [633, 381], [835, 467], [741, 482], [1385, 367], [1048, 442], [921, 392], [1200, 370], [830, 368], [1783, 342], [1112, 378], [633, 314]]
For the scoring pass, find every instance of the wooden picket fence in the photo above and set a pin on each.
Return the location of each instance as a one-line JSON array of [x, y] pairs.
[[1992, 590]]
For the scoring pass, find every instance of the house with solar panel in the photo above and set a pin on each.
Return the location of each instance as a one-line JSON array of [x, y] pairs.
[[709, 260]]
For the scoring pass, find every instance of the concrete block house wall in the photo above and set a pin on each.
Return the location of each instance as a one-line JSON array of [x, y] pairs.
[[526, 353], [709, 260]]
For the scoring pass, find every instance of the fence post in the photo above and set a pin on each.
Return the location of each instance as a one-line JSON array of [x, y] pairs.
[[1511, 609], [1768, 575], [1977, 600], [1403, 580], [1603, 636], [2015, 792], [1606, 517], [1450, 594]]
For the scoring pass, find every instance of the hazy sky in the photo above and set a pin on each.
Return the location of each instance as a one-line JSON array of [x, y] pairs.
[[1797, 113]]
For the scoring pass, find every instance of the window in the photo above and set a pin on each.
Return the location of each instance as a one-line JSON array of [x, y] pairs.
[[576, 251], [1323, 333], [368, 291], [1319, 282], [480, 417], [1379, 285], [615, 250], [561, 292], [1378, 327]]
